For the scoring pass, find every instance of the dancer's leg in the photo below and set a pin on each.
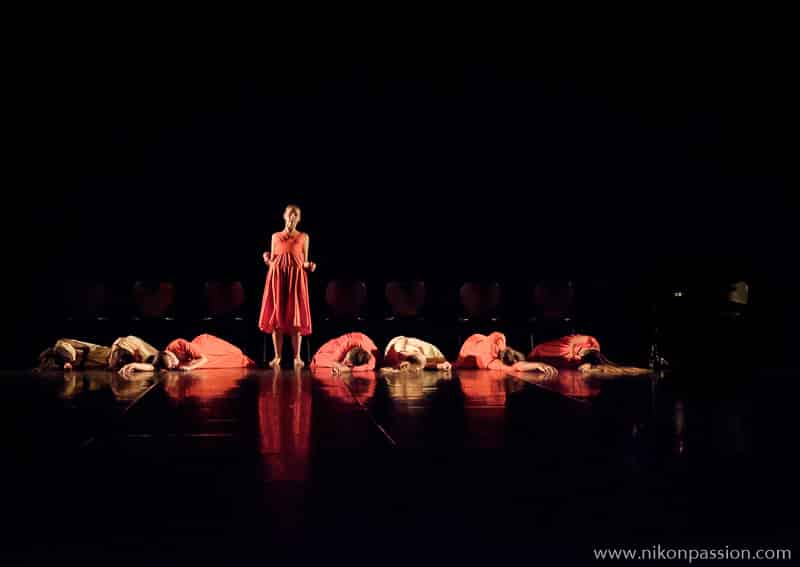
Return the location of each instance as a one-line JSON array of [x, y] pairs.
[[277, 344], [296, 341]]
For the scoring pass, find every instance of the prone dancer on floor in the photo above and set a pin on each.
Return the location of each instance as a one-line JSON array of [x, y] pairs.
[[581, 352], [490, 352], [73, 353], [351, 352], [204, 351], [409, 354]]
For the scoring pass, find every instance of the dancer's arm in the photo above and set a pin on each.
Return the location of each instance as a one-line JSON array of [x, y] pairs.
[[534, 367], [310, 266], [269, 257], [129, 369], [194, 363], [339, 368]]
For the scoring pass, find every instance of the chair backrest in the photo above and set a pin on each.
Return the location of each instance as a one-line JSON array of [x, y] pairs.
[[86, 299], [406, 298], [346, 298], [223, 297], [738, 292], [554, 299], [153, 299], [480, 300]]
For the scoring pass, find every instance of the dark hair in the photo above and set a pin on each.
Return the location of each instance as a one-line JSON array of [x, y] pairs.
[[358, 356], [49, 359], [62, 357], [595, 357], [161, 360], [123, 357], [414, 360], [509, 356]]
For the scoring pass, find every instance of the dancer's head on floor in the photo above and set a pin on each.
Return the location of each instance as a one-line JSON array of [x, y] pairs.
[[413, 363], [594, 362], [356, 356], [291, 215], [166, 360], [56, 357], [119, 357], [594, 357], [509, 356]]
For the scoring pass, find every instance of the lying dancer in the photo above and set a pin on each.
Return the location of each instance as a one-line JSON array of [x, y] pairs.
[[491, 353], [72, 353], [126, 350], [350, 352], [581, 352], [410, 354], [204, 351]]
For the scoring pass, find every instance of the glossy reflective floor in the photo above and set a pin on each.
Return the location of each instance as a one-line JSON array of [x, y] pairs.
[[228, 466]]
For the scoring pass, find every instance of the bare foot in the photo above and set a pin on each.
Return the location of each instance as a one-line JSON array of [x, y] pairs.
[[275, 362], [298, 363]]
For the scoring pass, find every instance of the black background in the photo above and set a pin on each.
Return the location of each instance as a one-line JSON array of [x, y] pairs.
[[661, 151]]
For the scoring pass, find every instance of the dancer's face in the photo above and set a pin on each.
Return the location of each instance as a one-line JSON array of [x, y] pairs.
[[292, 217]]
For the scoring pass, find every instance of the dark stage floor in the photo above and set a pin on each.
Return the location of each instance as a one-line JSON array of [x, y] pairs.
[[240, 466]]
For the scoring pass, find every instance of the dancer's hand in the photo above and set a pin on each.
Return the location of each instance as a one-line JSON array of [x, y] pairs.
[[339, 368], [266, 257], [541, 367], [446, 366], [127, 370], [310, 266]]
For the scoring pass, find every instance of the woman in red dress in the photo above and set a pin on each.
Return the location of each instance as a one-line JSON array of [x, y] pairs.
[[204, 351], [352, 352], [581, 352], [285, 308], [490, 352]]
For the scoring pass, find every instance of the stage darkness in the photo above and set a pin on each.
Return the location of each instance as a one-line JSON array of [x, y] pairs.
[[636, 165]]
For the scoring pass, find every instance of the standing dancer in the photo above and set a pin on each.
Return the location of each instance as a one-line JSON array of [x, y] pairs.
[[285, 307]]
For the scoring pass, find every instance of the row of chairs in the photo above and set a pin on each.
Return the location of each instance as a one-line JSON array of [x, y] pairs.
[[544, 310], [549, 300]]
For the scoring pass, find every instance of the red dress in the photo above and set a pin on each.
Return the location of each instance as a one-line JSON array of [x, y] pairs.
[[220, 353], [564, 351], [335, 350], [483, 352], [285, 306]]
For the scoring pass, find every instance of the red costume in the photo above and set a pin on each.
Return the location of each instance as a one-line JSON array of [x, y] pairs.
[[220, 353], [564, 351], [481, 351], [336, 349], [285, 306]]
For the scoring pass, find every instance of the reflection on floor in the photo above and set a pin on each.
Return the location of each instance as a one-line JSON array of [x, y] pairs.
[[229, 461]]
